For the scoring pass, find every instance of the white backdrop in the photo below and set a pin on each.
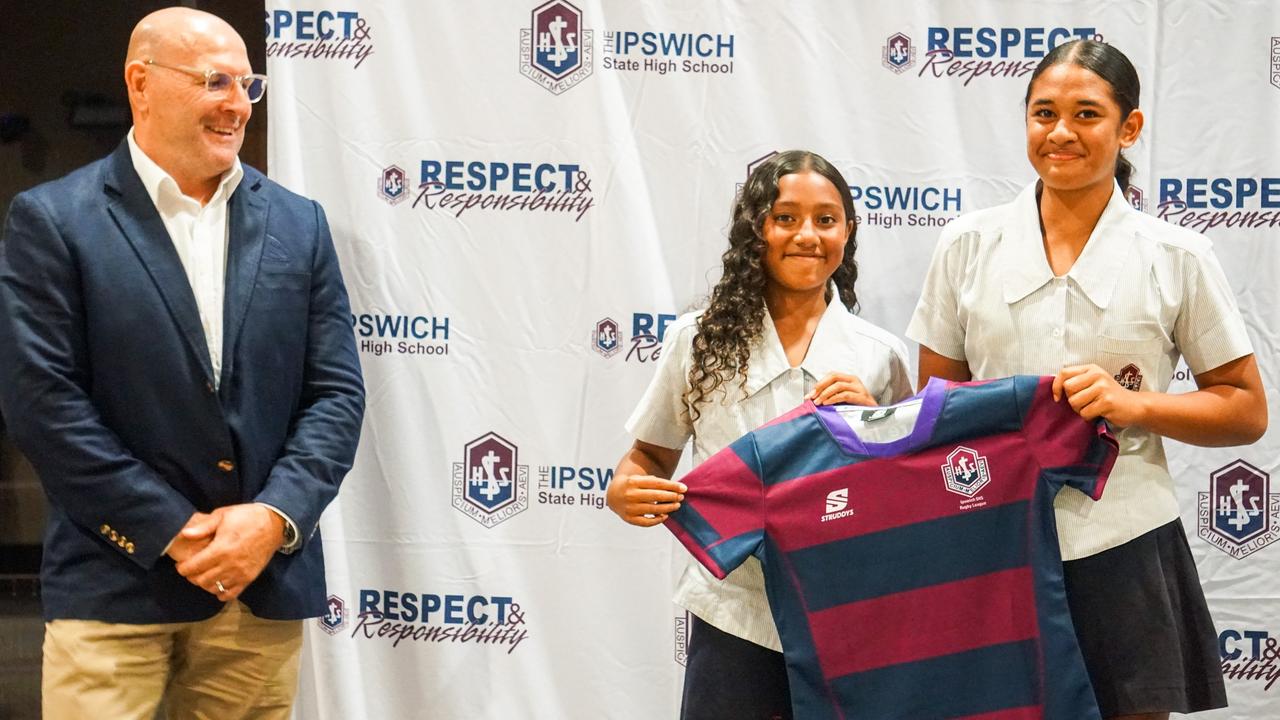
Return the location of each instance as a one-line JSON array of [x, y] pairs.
[[579, 163]]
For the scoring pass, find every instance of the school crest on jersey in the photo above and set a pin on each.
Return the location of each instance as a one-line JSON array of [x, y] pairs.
[[965, 471]]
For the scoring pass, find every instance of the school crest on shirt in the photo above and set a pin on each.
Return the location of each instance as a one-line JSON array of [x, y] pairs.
[[965, 472], [1130, 377], [1239, 515]]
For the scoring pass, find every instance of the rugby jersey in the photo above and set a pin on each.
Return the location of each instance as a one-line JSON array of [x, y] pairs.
[[910, 552]]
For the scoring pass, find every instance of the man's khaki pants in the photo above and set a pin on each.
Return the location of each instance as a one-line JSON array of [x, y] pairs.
[[233, 665]]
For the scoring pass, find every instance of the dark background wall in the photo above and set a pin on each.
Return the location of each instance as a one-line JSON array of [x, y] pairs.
[[61, 77]]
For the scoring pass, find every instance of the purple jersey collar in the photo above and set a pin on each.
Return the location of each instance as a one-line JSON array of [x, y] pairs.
[[930, 399]]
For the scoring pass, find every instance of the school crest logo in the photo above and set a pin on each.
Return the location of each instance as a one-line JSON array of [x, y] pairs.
[[751, 167], [490, 486], [1133, 196], [1130, 377], [606, 338], [556, 50], [393, 186], [334, 617], [1239, 515], [898, 53], [965, 472]]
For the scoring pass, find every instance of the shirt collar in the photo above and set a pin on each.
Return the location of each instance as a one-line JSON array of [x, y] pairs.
[[826, 350], [1096, 271], [160, 185]]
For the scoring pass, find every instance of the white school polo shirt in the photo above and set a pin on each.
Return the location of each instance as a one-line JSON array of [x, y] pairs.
[[1141, 293], [842, 342]]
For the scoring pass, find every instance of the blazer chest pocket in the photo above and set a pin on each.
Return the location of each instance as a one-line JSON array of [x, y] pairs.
[[280, 289]]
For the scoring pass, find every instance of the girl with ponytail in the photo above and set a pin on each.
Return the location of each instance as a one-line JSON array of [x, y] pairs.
[[1069, 280]]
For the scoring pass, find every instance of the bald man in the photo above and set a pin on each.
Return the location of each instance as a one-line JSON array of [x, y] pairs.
[[177, 360]]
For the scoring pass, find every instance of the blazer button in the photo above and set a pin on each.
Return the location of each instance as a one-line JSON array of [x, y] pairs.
[[104, 529], [128, 547], [121, 542], [208, 387], [226, 465], [114, 536]]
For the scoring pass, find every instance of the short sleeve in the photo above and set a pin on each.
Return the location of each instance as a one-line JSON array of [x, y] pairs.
[[661, 418], [1071, 451], [936, 320], [1209, 330], [721, 521], [899, 386]]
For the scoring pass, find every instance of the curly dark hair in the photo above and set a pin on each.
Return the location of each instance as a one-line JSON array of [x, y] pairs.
[[734, 316]]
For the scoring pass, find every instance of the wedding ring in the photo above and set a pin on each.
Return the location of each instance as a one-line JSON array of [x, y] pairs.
[[218, 584]]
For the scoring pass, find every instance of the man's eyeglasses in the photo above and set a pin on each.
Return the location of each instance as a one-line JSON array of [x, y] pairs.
[[254, 84]]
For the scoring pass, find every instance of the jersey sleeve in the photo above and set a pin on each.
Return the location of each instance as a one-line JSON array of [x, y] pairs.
[[661, 418], [1209, 330], [1072, 451], [721, 521]]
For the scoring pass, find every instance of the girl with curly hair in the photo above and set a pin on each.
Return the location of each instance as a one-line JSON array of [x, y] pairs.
[[778, 329]]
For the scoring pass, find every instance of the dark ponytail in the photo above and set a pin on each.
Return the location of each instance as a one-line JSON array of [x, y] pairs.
[[1109, 64]]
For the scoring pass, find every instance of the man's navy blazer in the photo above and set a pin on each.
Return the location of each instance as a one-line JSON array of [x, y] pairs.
[[107, 386]]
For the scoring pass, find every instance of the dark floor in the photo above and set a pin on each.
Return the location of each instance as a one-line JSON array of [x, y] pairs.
[[21, 631]]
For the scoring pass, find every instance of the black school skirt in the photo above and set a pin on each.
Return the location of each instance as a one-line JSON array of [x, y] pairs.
[[1144, 627]]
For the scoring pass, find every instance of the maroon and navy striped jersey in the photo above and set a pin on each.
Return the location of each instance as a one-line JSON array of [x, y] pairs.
[[910, 553]]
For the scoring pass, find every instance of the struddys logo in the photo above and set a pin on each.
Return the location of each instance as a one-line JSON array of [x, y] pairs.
[[556, 50], [894, 206], [397, 616], [456, 187], [659, 52], [684, 622], [967, 53], [334, 618], [319, 35], [1208, 203], [837, 505], [965, 473], [1250, 656], [1239, 515], [393, 186], [648, 330], [418, 336], [1130, 377], [573, 486], [489, 485], [898, 53], [1275, 62]]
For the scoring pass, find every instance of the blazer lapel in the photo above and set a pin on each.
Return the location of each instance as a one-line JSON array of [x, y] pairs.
[[140, 222], [247, 231]]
